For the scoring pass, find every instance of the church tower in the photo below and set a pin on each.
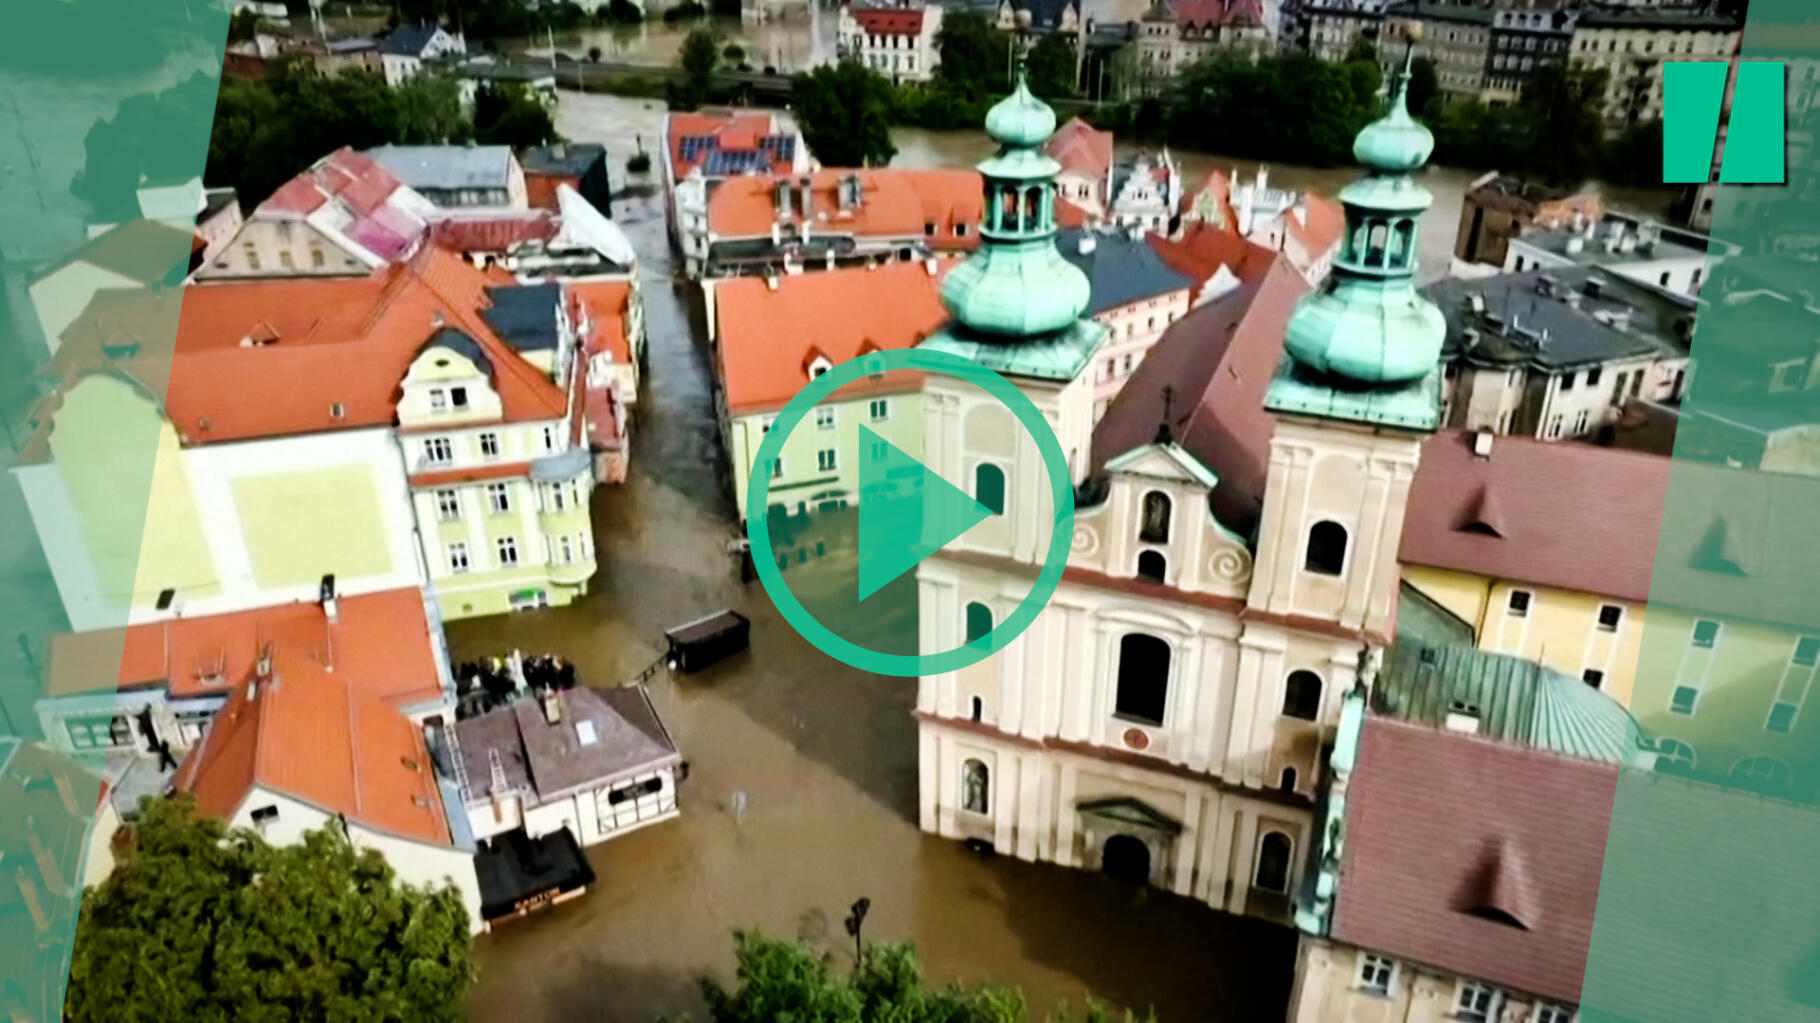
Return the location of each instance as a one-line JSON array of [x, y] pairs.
[[1015, 308], [1356, 394]]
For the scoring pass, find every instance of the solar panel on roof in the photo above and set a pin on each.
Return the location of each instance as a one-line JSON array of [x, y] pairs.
[[781, 147], [696, 145]]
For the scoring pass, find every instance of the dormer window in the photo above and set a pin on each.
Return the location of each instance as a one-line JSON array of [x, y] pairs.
[[818, 366]]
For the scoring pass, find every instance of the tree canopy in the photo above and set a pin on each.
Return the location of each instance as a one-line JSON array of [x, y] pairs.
[[785, 980], [974, 55], [151, 135], [1051, 66], [508, 114], [208, 925], [698, 58], [268, 130], [844, 111], [1292, 108]]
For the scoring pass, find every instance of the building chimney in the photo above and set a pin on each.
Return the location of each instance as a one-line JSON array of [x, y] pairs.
[[1481, 444], [1086, 243], [1463, 717], [808, 197], [552, 707], [327, 598]]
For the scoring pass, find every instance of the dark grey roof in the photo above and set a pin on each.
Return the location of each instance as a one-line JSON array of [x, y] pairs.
[[447, 167], [571, 159], [1648, 240], [1555, 305], [1682, 19], [458, 341], [359, 44], [1121, 269], [551, 760], [408, 40], [1440, 11], [524, 316]]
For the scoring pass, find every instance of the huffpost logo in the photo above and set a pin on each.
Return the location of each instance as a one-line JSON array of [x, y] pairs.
[[1693, 97]]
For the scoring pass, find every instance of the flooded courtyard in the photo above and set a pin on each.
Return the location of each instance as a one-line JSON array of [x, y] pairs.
[[802, 788]]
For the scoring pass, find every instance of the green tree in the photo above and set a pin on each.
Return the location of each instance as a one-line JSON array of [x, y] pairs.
[[698, 57], [144, 139], [427, 110], [1424, 87], [733, 53], [1635, 157], [1051, 66], [844, 111], [974, 55], [508, 114], [784, 980], [241, 26], [1565, 133], [200, 923], [1361, 49], [624, 12]]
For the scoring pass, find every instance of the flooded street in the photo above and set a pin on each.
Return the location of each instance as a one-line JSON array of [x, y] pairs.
[[822, 759]]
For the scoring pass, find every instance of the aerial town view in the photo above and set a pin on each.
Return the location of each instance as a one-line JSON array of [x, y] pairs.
[[915, 511]]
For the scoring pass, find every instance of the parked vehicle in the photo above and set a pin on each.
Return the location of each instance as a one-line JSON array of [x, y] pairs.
[[697, 644]]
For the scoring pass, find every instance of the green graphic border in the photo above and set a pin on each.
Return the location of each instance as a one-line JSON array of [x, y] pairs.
[[1055, 561]]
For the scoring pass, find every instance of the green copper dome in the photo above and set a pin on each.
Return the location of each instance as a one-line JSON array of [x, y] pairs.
[[1020, 120], [1017, 286], [1364, 345]]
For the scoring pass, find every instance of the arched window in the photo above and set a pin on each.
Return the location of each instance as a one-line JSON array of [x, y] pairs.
[[1273, 863], [1143, 686], [979, 621], [1675, 755], [1374, 245], [979, 708], [1287, 784], [1155, 527], [1302, 695], [975, 783], [1761, 772], [1326, 548], [1401, 253], [989, 487], [1033, 208], [1152, 565]]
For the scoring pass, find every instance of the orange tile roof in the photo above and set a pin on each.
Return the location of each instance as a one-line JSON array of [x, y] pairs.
[[606, 303], [1203, 249], [893, 204], [1081, 148], [1319, 229], [320, 731], [885, 21], [729, 128], [271, 358], [767, 337], [182, 653]]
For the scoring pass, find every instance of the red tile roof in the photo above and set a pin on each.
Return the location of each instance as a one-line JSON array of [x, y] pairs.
[[1235, 13], [1204, 248], [893, 204], [181, 653], [1081, 148], [1219, 360], [493, 234], [1218, 186], [1572, 516], [889, 21], [767, 337], [1440, 824], [270, 358], [1321, 225], [355, 178]]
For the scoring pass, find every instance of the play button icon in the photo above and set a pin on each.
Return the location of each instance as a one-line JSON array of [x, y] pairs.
[[838, 554], [906, 512]]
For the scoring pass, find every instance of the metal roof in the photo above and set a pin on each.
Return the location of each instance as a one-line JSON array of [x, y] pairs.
[[447, 168], [1553, 319], [525, 315], [1120, 269], [1514, 700]]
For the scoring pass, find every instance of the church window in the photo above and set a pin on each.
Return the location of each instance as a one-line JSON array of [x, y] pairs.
[[1302, 695], [1326, 548], [1143, 679], [1402, 244], [989, 487], [1272, 874], [1155, 527], [979, 621], [1152, 565], [974, 782]]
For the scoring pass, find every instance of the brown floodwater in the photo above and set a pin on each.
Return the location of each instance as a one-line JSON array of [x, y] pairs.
[[822, 760]]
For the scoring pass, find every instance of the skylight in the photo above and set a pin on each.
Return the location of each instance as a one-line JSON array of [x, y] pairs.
[[584, 731]]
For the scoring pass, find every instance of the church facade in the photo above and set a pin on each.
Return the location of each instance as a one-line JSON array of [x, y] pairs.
[[1167, 716]]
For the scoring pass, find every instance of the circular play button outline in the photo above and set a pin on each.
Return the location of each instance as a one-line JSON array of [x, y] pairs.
[[922, 360]]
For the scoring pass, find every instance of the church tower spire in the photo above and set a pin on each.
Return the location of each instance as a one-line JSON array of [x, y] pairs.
[[1366, 347]]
